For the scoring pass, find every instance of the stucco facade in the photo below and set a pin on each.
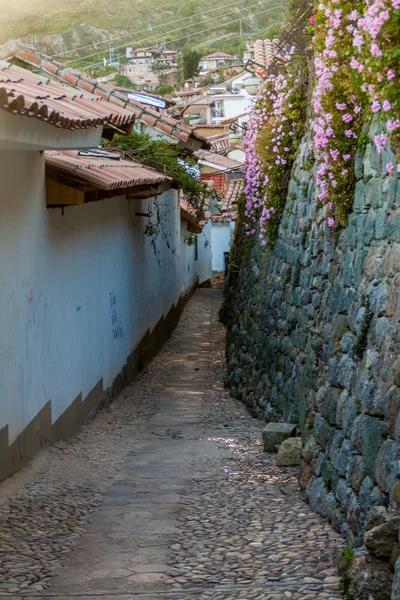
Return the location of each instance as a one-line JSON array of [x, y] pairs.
[[81, 290]]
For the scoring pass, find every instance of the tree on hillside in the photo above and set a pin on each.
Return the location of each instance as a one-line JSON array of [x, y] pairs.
[[190, 63], [123, 81], [160, 69]]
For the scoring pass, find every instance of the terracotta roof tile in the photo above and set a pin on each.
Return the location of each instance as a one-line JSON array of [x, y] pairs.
[[106, 92], [229, 206], [264, 51], [218, 55], [188, 214], [223, 162], [102, 172], [23, 92]]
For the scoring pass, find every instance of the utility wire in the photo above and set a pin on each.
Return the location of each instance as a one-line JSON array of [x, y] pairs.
[[154, 27], [180, 38]]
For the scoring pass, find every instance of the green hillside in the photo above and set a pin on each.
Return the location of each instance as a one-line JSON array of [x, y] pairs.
[[58, 25]]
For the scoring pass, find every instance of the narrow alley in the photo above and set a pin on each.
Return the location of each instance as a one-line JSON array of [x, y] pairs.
[[166, 494]]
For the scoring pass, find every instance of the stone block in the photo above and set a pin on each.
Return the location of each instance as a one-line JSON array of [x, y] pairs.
[[370, 577], [355, 473], [376, 516], [329, 404], [340, 326], [387, 469], [373, 193], [381, 539], [396, 493], [289, 453], [275, 433]]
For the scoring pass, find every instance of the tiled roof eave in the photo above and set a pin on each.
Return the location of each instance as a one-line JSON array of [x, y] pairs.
[[103, 173]]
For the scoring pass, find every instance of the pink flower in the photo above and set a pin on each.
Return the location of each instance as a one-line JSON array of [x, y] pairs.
[[347, 118], [386, 105], [331, 222], [348, 133], [346, 156], [341, 106], [391, 74], [390, 168], [392, 125], [375, 50], [313, 20], [380, 141], [396, 4], [375, 106]]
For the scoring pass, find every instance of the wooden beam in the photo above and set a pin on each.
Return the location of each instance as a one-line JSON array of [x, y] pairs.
[[59, 194]]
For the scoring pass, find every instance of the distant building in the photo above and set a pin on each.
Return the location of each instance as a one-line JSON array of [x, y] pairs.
[[140, 69], [214, 61], [227, 106]]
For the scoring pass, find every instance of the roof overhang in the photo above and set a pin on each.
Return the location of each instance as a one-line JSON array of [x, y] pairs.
[[78, 178], [67, 190]]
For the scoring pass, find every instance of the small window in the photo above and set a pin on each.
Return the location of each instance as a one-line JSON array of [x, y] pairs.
[[196, 247]]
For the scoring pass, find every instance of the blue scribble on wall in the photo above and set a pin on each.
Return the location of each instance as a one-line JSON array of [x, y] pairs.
[[117, 331], [78, 308]]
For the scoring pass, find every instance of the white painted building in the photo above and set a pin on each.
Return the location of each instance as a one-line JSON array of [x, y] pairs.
[[222, 107], [85, 299], [214, 61], [222, 230]]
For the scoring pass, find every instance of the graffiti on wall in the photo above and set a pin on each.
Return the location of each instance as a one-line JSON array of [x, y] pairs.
[[117, 331]]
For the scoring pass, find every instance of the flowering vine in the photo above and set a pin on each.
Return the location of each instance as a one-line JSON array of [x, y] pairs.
[[273, 131], [357, 64]]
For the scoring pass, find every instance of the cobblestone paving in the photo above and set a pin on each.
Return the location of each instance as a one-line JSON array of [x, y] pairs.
[[167, 495]]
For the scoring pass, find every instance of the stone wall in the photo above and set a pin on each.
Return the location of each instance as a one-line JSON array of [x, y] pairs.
[[314, 339]]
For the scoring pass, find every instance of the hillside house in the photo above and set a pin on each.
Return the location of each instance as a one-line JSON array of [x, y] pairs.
[[227, 106], [141, 67], [212, 62], [86, 300]]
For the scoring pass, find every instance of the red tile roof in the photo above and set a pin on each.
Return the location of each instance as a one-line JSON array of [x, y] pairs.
[[223, 162], [25, 93], [229, 206], [264, 51], [218, 55], [81, 80], [102, 172], [188, 214]]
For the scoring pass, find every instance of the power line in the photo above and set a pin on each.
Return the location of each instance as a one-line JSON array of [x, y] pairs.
[[180, 38], [172, 31], [146, 29]]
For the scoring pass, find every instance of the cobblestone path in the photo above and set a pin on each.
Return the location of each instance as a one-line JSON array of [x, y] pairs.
[[166, 495]]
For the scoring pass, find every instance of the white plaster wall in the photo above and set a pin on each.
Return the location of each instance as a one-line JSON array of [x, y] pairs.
[[221, 237], [78, 290], [203, 263], [237, 154], [235, 106]]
